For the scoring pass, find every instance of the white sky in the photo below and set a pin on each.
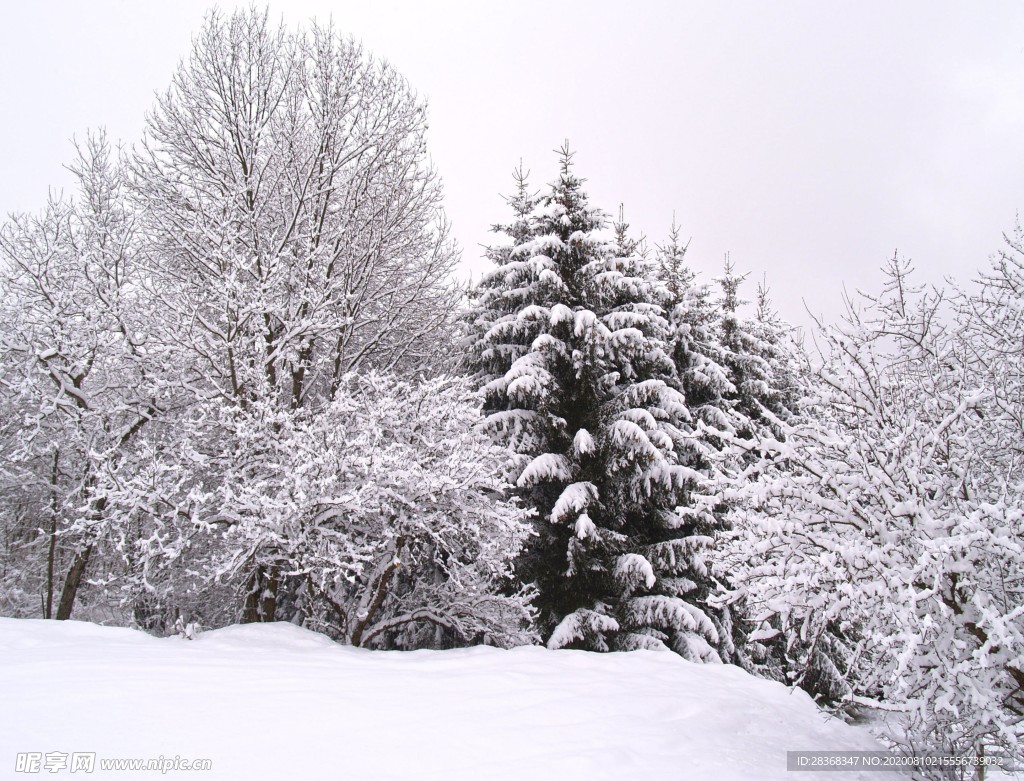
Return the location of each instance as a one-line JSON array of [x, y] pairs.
[[809, 139]]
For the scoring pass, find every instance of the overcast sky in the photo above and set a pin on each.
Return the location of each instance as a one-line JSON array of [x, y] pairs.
[[808, 139]]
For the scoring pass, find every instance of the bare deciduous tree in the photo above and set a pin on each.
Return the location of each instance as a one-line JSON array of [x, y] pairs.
[[77, 369], [293, 222]]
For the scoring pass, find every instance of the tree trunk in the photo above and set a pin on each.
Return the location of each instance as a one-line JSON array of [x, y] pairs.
[[261, 596], [268, 602], [379, 591], [77, 571], [72, 582], [52, 552], [251, 606]]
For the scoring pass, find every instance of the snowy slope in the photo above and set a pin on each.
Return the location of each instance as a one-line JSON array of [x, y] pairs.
[[278, 702]]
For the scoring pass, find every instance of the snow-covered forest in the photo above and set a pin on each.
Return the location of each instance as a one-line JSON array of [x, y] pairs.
[[241, 383]]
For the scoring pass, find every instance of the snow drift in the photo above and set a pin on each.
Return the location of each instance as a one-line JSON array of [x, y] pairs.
[[274, 701]]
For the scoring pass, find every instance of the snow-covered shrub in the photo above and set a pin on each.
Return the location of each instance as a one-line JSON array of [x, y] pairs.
[[380, 520], [881, 544]]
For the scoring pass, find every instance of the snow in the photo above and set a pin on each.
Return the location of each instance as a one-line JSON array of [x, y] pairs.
[[545, 467], [583, 442], [575, 498], [274, 701], [584, 527], [634, 568]]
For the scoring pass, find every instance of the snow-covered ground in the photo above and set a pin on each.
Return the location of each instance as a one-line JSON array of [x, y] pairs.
[[277, 702]]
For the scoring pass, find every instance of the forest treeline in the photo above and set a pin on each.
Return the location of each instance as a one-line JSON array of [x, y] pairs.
[[239, 383]]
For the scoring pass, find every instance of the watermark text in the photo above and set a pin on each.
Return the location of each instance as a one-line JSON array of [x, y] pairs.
[[87, 762]]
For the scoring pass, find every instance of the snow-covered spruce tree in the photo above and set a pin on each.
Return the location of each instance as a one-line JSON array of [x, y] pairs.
[[294, 229], [729, 368], [759, 355], [696, 343], [882, 539], [764, 363], [571, 345]]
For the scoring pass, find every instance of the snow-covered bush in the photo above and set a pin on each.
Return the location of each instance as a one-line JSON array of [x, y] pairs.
[[387, 512], [380, 520], [881, 544]]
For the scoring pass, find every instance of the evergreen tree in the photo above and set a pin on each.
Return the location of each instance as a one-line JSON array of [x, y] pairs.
[[696, 348], [672, 267], [739, 378], [705, 379], [573, 348], [625, 244], [760, 357], [763, 363]]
